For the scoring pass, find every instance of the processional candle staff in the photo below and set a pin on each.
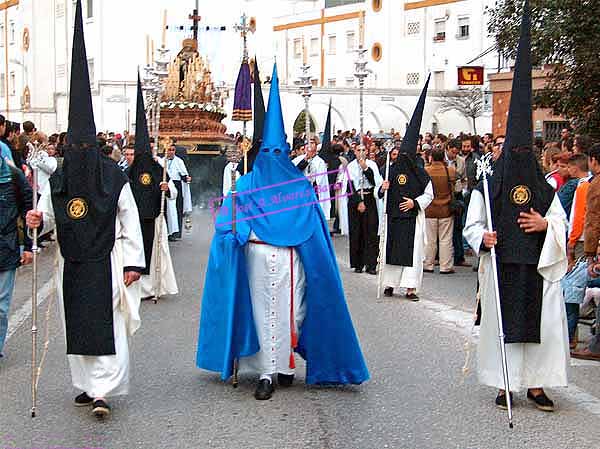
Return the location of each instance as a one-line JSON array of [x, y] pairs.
[[234, 155], [484, 169], [33, 160], [161, 72], [389, 146]]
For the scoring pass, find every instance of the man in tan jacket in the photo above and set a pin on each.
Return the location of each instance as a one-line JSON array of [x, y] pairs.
[[440, 219]]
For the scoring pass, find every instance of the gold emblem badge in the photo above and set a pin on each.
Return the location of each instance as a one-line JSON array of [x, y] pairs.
[[77, 209], [520, 195], [402, 180], [146, 179]]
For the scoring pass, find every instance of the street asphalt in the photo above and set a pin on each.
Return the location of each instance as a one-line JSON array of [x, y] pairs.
[[418, 396]]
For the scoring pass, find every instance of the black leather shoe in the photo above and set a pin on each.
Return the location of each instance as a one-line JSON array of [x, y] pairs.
[[83, 400], [501, 401], [388, 291], [412, 297], [372, 271], [285, 380], [264, 390], [100, 409], [358, 270], [542, 402]]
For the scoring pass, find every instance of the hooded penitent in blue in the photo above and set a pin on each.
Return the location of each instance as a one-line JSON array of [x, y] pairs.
[[277, 202]]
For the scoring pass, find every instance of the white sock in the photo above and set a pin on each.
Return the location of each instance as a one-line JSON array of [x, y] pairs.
[[266, 376]]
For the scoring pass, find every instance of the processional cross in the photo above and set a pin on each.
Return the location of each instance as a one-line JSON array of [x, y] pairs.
[[194, 17]]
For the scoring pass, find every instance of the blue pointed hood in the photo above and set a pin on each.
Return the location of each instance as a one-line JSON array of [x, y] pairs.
[[274, 129], [274, 200]]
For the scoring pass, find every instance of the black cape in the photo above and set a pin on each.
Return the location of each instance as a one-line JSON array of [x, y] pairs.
[[407, 179], [85, 195], [145, 176], [516, 186]]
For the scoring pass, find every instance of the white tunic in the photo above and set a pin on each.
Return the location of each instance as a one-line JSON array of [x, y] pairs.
[[105, 376], [530, 365], [270, 277], [176, 170], [46, 167], [168, 285], [316, 172], [229, 168], [412, 277]]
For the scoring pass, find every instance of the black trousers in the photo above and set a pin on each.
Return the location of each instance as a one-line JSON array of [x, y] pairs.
[[179, 205], [364, 242]]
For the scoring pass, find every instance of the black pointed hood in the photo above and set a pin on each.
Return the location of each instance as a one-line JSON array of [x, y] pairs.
[[411, 137], [519, 125], [407, 163], [86, 190], [85, 172], [518, 183], [145, 174], [325, 152], [259, 121], [82, 129], [259, 107], [142, 137]]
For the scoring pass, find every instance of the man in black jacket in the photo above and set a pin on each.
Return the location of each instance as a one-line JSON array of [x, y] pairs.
[[15, 200]]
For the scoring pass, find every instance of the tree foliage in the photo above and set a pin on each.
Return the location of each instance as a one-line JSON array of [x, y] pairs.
[[300, 123], [467, 102], [565, 34]]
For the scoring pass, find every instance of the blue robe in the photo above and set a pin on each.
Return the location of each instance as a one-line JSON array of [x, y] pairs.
[[328, 341]]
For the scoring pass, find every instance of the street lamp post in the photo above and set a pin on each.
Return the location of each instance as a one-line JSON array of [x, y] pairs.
[[360, 73], [305, 86], [161, 72]]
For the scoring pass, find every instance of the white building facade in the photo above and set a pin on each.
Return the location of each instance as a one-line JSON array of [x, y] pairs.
[[405, 41]]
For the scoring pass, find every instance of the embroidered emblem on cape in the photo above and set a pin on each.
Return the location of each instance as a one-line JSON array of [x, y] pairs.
[[520, 195], [146, 179], [402, 179], [77, 209]]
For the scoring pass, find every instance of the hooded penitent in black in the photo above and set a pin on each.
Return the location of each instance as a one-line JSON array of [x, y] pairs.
[[145, 176], [407, 179], [516, 186], [85, 193]]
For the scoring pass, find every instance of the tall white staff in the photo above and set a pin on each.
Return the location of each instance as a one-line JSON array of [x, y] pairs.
[[160, 236], [484, 169], [389, 145], [33, 160]]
